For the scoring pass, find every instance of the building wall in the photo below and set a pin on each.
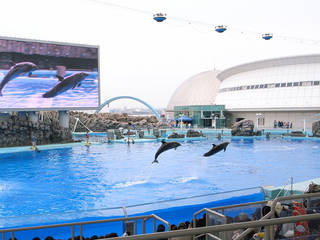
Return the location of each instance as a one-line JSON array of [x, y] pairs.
[[297, 118], [290, 87]]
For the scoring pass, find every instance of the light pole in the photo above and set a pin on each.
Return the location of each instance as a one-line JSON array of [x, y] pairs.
[[213, 117], [180, 115]]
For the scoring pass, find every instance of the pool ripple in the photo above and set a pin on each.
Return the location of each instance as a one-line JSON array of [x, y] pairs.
[[103, 176]]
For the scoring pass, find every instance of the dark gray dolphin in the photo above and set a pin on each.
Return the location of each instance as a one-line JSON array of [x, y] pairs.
[[17, 70], [216, 148], [164, 147], [65, 84]]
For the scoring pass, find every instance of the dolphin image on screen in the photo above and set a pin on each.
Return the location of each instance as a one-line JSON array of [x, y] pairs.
[[17, 70], [65, 84]]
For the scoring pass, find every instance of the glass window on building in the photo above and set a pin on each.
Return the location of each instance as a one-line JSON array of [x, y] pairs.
[[277, 85], [306, 83], [283, 84], [316, 82], [206, 114], [289, 84], [295, 84]]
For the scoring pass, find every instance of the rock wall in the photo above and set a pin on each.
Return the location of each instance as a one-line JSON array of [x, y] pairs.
[[316, 129], [297, 134], [193, 133], [101, 122], [18, 131], [243, 128]]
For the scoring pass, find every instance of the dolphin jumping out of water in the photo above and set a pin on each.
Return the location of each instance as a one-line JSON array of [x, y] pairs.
[[16, 71], [216, 148], [164, 147], [65, 84]]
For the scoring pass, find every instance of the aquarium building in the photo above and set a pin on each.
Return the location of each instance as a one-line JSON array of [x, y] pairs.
[[283, 89]]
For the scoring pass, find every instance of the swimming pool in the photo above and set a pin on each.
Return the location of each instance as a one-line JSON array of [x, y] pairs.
[[85, 180]]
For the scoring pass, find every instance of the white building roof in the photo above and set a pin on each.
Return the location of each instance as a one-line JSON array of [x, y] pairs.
[[269, 63], [200, 89]]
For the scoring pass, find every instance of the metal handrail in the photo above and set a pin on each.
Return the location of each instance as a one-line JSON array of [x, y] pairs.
[[80, 224], [220, 228], [238, 205], [307, 196], [213, 236], [267, 216], [216, 228], [216, 214]]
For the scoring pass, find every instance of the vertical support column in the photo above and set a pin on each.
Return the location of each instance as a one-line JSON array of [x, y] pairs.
[[144, 226], [72, 232], [63, 119], [81, 231], [135, 227]]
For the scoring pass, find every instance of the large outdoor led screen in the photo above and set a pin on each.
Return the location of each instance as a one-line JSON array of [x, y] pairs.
[[38, 75]]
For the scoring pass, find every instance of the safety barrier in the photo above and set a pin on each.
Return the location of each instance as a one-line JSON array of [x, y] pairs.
[[220, 211], [213, 232], [270, 230], [81, 224], [220, 228]]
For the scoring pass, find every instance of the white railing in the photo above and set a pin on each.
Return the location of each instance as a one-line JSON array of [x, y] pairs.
[[216, 231], [221, 228], [81, 224]]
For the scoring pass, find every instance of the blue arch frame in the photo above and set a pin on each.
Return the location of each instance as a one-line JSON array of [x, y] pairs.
[[129, 97]]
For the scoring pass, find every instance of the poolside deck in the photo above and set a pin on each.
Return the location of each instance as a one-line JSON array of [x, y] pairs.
[[297, 188]]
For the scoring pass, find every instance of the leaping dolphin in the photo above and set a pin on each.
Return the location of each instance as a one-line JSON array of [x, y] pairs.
[[65, 84], [17, 70], [216, 148], [164, 147]]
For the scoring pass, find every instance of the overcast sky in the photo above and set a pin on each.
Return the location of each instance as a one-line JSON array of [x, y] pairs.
[[149, 60]]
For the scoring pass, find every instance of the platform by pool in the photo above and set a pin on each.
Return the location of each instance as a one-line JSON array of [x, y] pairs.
[[85, 181]]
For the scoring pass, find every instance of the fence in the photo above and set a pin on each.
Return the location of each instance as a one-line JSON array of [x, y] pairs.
[[213, 232]]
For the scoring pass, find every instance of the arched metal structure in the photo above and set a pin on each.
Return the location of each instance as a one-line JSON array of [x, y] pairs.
[[129, 97]]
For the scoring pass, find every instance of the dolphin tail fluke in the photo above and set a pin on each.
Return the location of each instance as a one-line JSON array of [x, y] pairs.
[[155, 161]]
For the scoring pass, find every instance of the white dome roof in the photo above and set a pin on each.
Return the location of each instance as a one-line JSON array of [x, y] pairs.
[[200, 89]]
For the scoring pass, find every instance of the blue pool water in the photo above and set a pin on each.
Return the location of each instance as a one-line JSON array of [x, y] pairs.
[[26, 92], [85, 180]]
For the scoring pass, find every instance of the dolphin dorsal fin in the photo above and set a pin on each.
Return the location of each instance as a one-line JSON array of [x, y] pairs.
[[213, 144], [60, 78]]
